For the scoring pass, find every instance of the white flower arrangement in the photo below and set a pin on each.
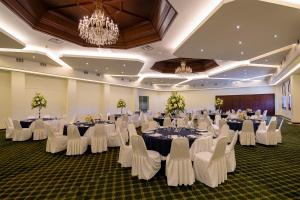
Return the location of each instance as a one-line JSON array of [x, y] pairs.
[[219, 102], [175, 103], [121, 104], [39, 101]]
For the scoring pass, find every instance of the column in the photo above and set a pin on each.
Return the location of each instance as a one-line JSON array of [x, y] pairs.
[[18, 100], [295, 86]]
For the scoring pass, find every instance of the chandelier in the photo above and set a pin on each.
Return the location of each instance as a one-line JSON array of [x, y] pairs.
[[183, 69], [98, 29]]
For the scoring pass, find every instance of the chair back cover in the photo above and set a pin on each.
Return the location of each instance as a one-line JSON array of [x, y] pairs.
[[220, 149], [73, 132], [138, 146], [224, 131], [8, 124], [10, 121], [17, 125], [131, 130], [49, 132], [272, 126], [247, 126], [121, 138], [217, 119], [99, 130], [180, 149], [265, 113], [152, 125], [39, 124], [167, 122], [222, 122], [233, 142], [279, 128]]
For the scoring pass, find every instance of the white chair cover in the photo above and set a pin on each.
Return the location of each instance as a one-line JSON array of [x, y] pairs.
[[76, 145], [201, 144], [55, 143], [145, 163], [131, 130], [230, 155], [182, 122], [167, 122], [113, 137], [202, 125], [125, 155], [99, 139], [278, 132], [9, 128], [179, 169], [153, 125], [210, 168], [19, 133], [267, 137], [121, 124], [39, 131], [247, 135], [217, 119]]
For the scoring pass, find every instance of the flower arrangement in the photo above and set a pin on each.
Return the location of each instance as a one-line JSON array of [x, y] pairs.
[[243, 116], [121, 104], [39, 101], [89, 119], [175, 103], [219, 102]]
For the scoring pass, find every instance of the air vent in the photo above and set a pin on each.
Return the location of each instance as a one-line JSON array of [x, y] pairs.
[[147, 48], [85, 72], [19, 60], [56, 41], [43, 64]]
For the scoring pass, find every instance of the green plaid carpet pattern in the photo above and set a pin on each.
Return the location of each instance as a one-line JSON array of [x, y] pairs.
[[28, 172]]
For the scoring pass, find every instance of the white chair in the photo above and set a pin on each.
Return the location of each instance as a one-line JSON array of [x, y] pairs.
[[19, 133], [267, 137], [182, 122], [201, 144], [55, 143], [125, 154], [145, 163], [247, 135], [264, 115], [39, 131], [121, 124], [230, 155], [76, 144], [131, 130], [202, 125], [210, 168], [153, 125], [113, 139], [278, 132], [9, 128], [179, 168], [167, 122], [99, 139], [217, 120]]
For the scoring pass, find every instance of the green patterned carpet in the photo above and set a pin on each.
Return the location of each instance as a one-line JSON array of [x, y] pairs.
[[27, 171]]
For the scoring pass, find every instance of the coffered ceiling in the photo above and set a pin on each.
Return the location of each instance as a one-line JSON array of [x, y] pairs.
[[140, 21]]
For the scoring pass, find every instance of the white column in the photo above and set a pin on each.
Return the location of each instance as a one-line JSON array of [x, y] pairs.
[[295, 86], [104, 99], [71, 98], [18, 100]]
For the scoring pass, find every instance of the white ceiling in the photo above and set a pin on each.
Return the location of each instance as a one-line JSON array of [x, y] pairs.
[[104, 66], [206, 24], [263, 27], [7, 41]]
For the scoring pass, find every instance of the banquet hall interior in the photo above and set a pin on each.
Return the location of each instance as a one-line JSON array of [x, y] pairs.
[[149, 99]]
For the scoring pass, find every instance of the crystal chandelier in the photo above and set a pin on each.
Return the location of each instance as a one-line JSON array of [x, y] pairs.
[[183, 69], [98, 29]]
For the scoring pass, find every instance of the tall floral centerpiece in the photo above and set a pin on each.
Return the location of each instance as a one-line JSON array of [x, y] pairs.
[[175, 104], [219, 103], [39, 101], [121, 104]]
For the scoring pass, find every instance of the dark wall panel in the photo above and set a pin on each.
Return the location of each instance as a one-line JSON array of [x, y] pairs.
[[255, 101]]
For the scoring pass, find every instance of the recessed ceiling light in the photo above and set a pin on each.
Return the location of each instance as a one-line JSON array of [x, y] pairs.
[[242, 53], [202, 50], [106, 68], [275, 36], [238, 27], [122, 72], [240, 42], [96, 70], [33, 57], [224, 75], [124, 65], [87, 63]]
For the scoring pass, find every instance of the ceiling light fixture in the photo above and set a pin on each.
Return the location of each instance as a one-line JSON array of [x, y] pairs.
[[98, 29], [275, 36], [183, 69], [238, 27], [240, 42]]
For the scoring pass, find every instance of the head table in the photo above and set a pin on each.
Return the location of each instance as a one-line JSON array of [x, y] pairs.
[[160, 140]]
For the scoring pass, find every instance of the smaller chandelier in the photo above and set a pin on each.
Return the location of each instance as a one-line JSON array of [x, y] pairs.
[[98, 29], [183, 69]]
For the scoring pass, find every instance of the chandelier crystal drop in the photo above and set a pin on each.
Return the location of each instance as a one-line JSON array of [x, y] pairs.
[[98, 29], [183, 69]]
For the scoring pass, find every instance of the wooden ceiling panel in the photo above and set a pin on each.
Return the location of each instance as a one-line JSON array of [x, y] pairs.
[[140, 21]]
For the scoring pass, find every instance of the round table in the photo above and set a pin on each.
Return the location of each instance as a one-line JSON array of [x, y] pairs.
[[237, 125], [160, 120], [27, 122], [160, 140], [84, 126], [213, 116]]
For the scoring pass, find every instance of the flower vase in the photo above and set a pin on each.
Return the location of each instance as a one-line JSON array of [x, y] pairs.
[[40, 113], [121, 110]]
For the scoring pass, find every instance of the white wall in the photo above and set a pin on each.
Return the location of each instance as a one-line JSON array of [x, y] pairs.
[[54, 90], [5, 99], [118, 92]]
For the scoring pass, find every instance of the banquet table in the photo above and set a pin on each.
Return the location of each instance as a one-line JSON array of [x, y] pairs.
[[83, 127], [27, 122], [237, 125], [160, 140]]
